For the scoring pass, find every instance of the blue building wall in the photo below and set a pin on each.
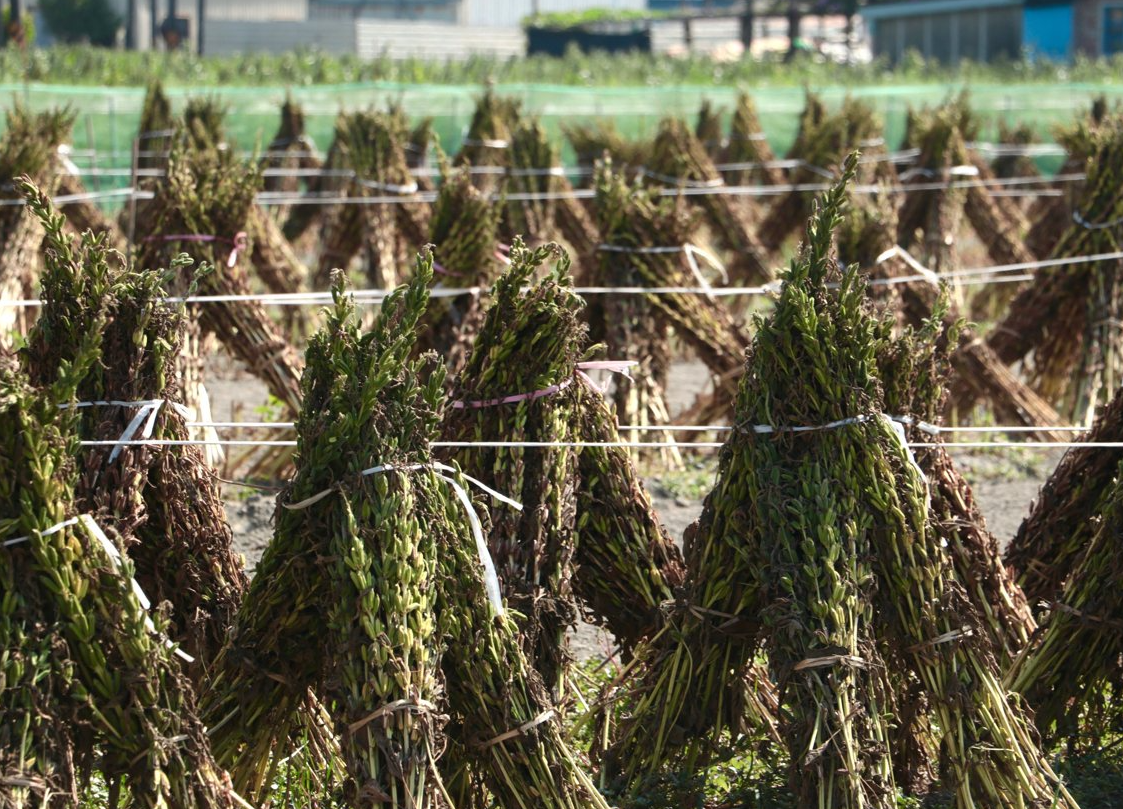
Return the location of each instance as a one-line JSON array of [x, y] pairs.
[[1047, 31]]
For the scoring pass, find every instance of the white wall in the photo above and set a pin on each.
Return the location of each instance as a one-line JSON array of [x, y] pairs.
[[436, 41], [241, 36]]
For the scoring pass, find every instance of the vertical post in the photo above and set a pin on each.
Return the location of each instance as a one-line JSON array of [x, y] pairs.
[[130, 25], [155, 13], [747, 27], [793, 29], [14, 34], [688, 34], [200, 19]]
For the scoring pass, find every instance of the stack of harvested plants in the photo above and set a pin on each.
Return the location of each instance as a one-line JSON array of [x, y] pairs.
[[89, 681], [29, 147], [374, 544], [464, 232], [157, 125], [164, 502], [1013, 160], [291, 150], [487, 143], [1067, 318], [1061, 525], [633, 331], [749, 149], [591, 142], [702, 322], [535, 169], [821, 143], [201, 207], [587, 528], [372, 145], [913, 371], [845, 582], [867, 238], [708, 129], [1071, 676], [520, 384], [679, 160]]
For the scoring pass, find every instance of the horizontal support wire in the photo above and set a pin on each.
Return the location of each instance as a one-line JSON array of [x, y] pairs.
[[971, 276]]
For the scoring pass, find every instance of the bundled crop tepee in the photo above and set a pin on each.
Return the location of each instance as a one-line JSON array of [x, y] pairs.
[[678, 159], [749, 149], [201, 208], [464, 233], [816, 542], [632, 220], [1060, 527], [587, 537], [29, 147], [1067, 317], [372, 145], [373, 592], [88, 679], [293, 157], [488, 140], [1071, 676], [163, 500], [821, 143], [535, 169]]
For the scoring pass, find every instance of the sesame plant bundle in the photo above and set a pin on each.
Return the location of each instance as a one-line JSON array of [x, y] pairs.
[[291, 150], [708, 129], [749, 147], [628, 568], [854, 569], [464, 231], [1071, 675], [488, 140], [932, 217], [374, 592], [822, 141], [1061, 524], [201, 208], [29, 146], [89, 677], [535, 169], [372, 145], [163, 501], [527, 348], [632, 329], [1014, 162], [867, 238], [913, 370], [204, 122], [679, 160], [344, 597], [1066, 317], [304, 222], [587, 537], [1051, 215], [157, 125], [700, 321], [591, 142]]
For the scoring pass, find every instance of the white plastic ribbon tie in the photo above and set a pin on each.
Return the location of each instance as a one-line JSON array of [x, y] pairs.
[[896, 251], [408, 188], [95, 532], [491, 578], [146, 415], [691, 251]]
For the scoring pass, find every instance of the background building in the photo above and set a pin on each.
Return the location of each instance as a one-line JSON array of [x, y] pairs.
[[985, 30]]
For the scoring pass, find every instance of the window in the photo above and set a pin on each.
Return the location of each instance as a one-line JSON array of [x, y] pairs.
[[1113, 29]]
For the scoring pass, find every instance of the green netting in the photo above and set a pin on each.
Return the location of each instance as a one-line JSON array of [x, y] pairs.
[[108, 117]]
